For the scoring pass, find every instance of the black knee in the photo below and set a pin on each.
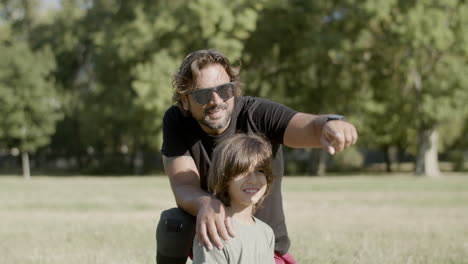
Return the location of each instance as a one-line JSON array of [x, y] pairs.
[[174, 236]]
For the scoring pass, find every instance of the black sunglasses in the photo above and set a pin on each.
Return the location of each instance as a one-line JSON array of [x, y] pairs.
[[203, 96]]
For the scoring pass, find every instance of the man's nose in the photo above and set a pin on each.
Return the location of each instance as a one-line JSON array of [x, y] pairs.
[[215, 99]]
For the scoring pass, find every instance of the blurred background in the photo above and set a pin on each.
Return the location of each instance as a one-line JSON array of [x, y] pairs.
[[84, 84]]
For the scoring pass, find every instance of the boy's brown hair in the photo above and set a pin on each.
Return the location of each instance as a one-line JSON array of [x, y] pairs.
[[235, 156]]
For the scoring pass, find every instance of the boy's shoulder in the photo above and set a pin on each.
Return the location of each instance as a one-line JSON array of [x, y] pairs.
[[262, 224]]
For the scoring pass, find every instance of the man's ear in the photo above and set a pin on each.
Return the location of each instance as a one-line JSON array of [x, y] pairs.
[[185, 103]]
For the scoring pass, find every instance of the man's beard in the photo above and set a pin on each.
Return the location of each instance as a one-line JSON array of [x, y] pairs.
[[216, 124]]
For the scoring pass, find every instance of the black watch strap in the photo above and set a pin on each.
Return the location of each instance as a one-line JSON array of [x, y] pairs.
[[335, 117]]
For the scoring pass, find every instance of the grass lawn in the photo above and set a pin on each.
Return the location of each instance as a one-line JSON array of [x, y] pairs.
[[359, 219]]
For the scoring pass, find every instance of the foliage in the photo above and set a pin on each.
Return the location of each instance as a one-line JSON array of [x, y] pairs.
[[394, 68], [417, 63], [29, 104], [119, 59]]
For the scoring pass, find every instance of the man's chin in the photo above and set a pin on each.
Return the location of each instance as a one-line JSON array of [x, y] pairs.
[[216, 124]]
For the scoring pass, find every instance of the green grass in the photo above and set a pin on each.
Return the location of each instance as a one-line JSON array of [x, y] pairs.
[[359, 219]]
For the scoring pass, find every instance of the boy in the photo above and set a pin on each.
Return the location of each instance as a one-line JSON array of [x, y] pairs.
[[241, 177]]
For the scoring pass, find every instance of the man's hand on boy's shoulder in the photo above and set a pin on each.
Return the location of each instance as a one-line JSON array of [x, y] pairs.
[[212, 224]]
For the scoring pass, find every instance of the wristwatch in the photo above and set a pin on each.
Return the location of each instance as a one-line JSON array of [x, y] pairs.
[[334, 117]]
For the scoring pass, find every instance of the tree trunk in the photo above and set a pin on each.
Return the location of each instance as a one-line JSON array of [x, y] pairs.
[[427, 162], [318, 162], [388, 161], [25, 164], [314, 161], [391, 157], [138, 161], [322, 166]]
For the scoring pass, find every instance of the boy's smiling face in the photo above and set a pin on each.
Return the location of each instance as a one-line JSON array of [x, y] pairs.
[[248, 188]]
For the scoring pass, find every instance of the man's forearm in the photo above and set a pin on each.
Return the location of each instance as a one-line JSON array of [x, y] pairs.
[[317, 124], [191, 198], [304, 131], [185, 183]]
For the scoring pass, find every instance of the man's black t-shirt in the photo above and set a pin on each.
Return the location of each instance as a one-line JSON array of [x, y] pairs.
[[182, 135]]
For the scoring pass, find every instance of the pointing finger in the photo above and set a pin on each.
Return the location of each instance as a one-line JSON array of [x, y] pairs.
[[326, 145]]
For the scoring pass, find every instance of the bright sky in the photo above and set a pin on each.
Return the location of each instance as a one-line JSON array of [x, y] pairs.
[[51, 3]]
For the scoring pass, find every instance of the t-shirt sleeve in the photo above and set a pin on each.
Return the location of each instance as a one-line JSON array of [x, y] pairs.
[[272, 241], [271, 118], [269, 234], [173, 140], [269, 245], [202, 256]]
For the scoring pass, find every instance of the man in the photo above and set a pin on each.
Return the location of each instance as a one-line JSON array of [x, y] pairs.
[[208, 109]]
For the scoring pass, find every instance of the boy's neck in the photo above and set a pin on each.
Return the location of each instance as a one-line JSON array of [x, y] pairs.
[[241, 214]]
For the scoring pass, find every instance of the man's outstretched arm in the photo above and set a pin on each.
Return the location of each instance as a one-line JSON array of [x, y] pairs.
[[210, 212], [313, 131]]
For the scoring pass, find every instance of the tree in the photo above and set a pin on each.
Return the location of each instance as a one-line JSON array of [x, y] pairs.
[[136, 47], [28, 103], [395, 66], [301, 55], [417, 52]]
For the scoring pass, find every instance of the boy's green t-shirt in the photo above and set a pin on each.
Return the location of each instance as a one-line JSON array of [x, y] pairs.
[[252, 244]]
